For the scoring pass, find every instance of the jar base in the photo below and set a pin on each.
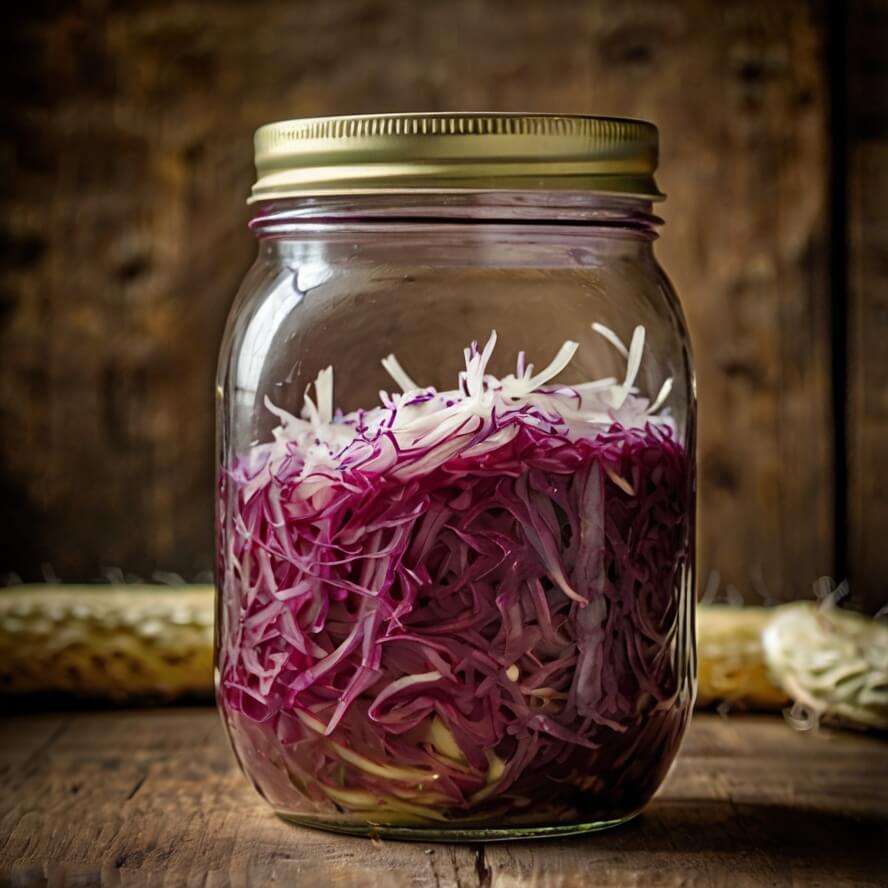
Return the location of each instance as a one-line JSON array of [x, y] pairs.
[[456, 833]]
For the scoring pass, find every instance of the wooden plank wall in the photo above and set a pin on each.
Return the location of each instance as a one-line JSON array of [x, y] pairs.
[[125, 170], [867, 207]]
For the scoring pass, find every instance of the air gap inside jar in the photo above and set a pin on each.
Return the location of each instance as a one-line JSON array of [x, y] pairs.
[[456, 479]]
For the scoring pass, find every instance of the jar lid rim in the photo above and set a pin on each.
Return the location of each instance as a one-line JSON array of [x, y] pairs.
[[442, 151]]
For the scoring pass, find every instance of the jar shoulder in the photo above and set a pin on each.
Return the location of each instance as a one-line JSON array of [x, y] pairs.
[[307, 305]]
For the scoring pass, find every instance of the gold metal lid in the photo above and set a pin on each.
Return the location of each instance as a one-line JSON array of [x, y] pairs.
[[388, 153]]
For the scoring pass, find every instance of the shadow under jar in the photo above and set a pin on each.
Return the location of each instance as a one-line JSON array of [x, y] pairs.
[[456, 422]]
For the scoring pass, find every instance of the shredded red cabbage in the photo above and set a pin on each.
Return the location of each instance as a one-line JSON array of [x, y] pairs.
[[481, 620]]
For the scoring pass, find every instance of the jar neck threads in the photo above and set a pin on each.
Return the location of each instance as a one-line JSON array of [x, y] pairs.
[[280, 218]]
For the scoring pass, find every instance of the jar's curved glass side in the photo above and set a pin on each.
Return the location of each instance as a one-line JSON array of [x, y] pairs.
[[232, 405], [686, 646]]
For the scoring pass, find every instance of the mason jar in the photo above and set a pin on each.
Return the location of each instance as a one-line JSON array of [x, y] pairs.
[[456, 417]]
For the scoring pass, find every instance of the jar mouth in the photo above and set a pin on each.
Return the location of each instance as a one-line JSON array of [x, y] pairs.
[[392, 153]]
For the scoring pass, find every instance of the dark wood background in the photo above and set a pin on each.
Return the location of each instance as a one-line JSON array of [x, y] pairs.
[[128, 157]]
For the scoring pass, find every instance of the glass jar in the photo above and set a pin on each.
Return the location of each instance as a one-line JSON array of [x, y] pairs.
[[456, 418]]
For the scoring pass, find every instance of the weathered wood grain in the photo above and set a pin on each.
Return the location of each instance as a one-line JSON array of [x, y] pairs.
[[129, 158], [154, 798], [868, 301]]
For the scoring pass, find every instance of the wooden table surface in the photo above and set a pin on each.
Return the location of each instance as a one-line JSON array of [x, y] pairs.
[[153, 797]]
